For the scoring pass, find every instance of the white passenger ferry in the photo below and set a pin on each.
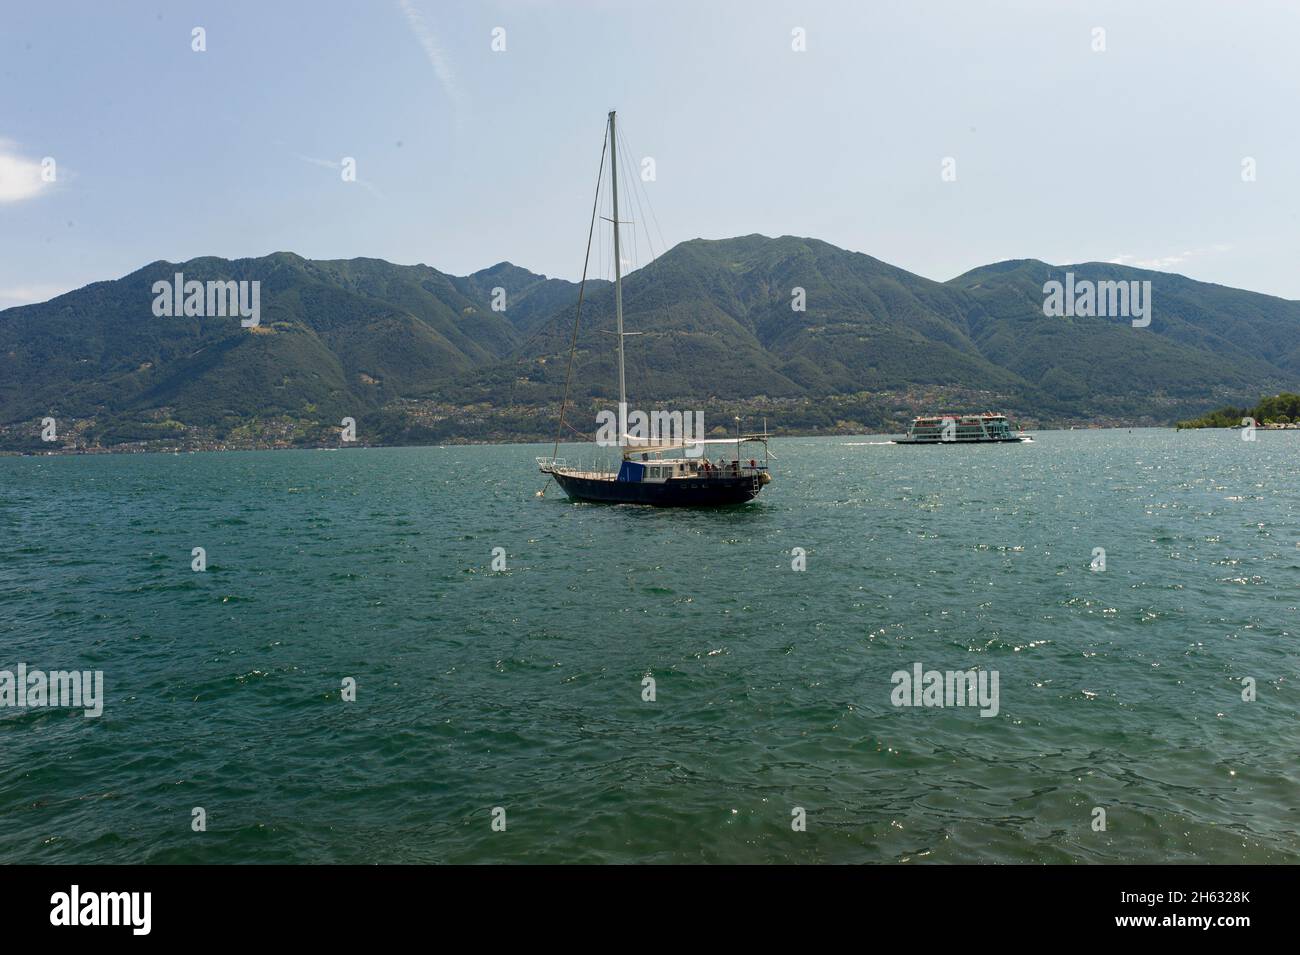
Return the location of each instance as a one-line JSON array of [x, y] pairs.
[[986, 428]]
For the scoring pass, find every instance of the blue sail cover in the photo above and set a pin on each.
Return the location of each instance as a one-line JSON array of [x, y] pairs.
[[631, 471]]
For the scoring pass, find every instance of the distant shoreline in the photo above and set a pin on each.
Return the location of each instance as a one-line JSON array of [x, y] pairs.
[[355, 446]]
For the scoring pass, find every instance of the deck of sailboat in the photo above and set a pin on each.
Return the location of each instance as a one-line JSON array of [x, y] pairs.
[[587, 475], [713, 474]]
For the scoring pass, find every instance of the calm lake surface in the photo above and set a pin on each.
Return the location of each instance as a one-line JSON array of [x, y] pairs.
[[522, 689]]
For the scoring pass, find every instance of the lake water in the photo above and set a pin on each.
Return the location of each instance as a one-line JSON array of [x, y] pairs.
[[1119, 689]]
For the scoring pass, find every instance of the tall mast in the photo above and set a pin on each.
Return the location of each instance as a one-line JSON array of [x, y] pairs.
[[618, 281]]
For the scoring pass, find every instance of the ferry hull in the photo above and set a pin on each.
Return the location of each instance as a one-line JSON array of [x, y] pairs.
[[1011, 440], [711, 492]]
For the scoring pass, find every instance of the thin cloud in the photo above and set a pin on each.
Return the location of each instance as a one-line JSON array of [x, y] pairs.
[[20, 178], [326, 163], [337, 166], [433, 53], [1165, 262]]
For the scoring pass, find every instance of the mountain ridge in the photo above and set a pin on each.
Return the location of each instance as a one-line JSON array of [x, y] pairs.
[[821, 337]]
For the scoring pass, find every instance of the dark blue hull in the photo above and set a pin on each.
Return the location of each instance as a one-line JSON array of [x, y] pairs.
[[684, 492]]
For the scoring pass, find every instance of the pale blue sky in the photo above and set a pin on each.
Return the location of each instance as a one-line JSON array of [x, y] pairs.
[[466, 156]]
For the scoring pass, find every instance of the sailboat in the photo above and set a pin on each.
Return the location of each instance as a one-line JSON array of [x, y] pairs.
[[673, 473]]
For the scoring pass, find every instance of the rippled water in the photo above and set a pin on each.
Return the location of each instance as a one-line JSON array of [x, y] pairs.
[[523, 689]]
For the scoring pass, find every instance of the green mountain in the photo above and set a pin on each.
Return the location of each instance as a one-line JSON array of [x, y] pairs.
[[414, 354], [530, 299], [336, 338], [716, 322], [715, 319], [1203, 339]]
